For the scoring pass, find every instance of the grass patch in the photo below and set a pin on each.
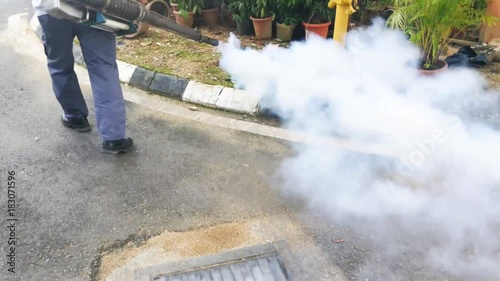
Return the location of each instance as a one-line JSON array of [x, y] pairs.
[[171, 54]]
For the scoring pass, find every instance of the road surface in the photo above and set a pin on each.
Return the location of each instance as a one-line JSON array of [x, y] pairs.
[[72, 202]]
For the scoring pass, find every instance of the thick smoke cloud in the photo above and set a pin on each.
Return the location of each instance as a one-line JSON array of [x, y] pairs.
[[443, 181]]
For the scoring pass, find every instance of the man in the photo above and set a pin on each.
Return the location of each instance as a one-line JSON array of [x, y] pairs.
[[99, 52]]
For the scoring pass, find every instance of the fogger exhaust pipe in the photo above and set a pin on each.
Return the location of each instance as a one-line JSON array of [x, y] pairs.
[[132, 11]]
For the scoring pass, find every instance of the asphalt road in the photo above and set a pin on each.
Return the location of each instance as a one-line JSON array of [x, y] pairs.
[[72, 201]]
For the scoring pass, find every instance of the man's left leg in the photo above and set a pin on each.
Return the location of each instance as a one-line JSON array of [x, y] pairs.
[[99, 52]]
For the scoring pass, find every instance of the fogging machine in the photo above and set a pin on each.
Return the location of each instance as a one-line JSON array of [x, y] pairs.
[[118, 16]]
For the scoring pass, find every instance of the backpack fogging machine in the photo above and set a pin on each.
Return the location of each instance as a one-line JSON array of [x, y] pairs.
[[118, 16]]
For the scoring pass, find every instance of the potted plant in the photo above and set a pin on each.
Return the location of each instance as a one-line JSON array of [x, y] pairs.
[[227, 14], [210, 12], [319, 17], [187, 9], [262, 16], [287, 18], [429, 24], [240, 9]]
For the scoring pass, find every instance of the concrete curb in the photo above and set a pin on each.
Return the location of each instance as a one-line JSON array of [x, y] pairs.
[[219, 97]]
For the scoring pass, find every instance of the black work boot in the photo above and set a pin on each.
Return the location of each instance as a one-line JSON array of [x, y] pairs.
[[79, 124], [117, 146]]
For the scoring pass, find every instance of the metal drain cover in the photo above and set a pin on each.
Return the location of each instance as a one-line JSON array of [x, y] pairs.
[[266, 268], [258, 263]]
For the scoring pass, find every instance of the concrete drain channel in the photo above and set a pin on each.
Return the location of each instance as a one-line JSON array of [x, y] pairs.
[[256, 263]]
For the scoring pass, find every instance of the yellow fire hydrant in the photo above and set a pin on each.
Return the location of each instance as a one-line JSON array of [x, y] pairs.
[[344, 10]]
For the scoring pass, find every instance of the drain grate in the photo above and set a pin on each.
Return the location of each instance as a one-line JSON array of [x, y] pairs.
[[265, 268], [257, 263]]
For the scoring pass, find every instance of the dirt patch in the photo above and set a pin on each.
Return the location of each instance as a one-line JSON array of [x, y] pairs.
[[169, 247], [183, 245], [115, 260], [492, 73], [172, 54], [206, 241]]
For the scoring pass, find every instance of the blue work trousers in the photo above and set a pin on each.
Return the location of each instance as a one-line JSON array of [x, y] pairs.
[[99, 52]]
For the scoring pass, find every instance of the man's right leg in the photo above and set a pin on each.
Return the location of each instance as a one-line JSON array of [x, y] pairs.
[[58, 36]]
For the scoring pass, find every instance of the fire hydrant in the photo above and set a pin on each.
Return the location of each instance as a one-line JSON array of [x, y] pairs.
[[344, 10]]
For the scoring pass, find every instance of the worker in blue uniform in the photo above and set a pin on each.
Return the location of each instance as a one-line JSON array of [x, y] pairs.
[[99, 52]]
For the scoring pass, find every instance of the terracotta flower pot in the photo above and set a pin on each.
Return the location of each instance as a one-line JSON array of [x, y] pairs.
[[210, 17], [440, 66], [320, 29], [284, 32], [189, 21], [491, 33], [158, 6], [151, 5], [263, 27]]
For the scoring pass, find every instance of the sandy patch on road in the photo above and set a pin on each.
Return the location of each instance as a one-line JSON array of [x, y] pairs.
[[183, 245], [175, 246]]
